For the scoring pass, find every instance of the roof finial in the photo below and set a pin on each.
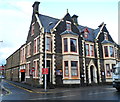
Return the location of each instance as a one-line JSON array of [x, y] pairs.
[[67, 10]]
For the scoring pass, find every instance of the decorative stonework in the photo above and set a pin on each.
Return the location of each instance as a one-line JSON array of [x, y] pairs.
[[98, 62], [84, 67], [53, 58]]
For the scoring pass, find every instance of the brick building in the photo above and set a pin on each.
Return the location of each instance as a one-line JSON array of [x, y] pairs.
[[75, 54]]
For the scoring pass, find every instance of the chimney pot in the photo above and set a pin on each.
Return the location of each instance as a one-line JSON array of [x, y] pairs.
[[36, 7]]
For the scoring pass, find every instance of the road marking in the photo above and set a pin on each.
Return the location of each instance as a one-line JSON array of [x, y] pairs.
[[9, 92], [19, 87]]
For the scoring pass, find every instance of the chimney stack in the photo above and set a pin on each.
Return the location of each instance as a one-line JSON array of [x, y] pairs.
[[36, 7], [75, 20]]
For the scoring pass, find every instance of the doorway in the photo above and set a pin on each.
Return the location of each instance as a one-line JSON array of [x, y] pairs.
[[91, 73], [22, 76]]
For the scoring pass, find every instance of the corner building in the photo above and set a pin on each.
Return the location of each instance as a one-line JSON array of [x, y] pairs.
[[76, 54]]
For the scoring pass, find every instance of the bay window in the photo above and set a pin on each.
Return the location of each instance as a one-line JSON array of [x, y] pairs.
[[70, 45], [109, 51], [65, 45], [73, 45], [108, 71], [66, 70], [106, 51], [71, 69], [74, 69]]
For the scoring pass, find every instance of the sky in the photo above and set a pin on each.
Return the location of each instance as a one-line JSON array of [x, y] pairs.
[[15, 18]]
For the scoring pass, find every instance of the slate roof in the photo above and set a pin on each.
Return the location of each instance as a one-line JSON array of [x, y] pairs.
[[92, 34], [68, 32], [106, 41], [45, 20], [96, 31]]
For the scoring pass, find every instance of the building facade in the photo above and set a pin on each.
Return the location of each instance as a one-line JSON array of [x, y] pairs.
[[75, 54]]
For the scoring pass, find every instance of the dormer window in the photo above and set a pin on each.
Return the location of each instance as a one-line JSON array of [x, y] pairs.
[[68, 25], [86, 31], [105, 36]]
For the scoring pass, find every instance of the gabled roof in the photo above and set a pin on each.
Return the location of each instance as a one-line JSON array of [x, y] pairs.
[[96, 31], [45, 20], [90, 32]]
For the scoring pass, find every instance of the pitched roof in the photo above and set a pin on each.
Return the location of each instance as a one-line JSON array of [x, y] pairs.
[[45, 20], [90, 32]]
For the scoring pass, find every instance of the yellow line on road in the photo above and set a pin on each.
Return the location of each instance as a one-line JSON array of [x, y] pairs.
[[26, 89]]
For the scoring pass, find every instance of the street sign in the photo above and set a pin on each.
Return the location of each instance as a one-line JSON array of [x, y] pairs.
[[33, 69], [2, 68], [44, 70]]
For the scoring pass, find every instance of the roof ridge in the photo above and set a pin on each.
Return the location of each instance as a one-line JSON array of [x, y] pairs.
[[50, 16]]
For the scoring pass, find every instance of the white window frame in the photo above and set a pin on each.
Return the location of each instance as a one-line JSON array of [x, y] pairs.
[[108, 46], [28, 49], [89, 46], [69, 46], [36, 69], [36, 44]]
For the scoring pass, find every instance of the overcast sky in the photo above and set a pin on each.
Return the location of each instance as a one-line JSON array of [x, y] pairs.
[[15, 18]]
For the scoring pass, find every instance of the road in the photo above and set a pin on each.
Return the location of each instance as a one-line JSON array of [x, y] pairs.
[[106, 92]]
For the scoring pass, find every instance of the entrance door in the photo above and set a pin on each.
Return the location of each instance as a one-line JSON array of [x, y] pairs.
[[91, 73], [22, 76]]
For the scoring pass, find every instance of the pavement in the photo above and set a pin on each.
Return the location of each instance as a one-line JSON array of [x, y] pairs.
[[32, 89]]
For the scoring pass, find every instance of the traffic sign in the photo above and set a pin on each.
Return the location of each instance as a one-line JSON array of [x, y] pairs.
[[44, 70], [33, 69]]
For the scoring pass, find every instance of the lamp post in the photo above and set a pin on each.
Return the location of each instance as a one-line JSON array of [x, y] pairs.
[[45, 84]]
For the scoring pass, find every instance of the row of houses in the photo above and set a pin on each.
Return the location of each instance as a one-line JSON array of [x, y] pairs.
[[74, 54]]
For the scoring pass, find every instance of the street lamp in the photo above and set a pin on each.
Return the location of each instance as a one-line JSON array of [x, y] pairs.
[[45, 86]]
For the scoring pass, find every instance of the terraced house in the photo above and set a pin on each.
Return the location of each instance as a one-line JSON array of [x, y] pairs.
[[75, 54]]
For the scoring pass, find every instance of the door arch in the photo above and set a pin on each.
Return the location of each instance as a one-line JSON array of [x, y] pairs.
[[92, 74]]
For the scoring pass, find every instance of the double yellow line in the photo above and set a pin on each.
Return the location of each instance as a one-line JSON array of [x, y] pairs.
[[25, 88]]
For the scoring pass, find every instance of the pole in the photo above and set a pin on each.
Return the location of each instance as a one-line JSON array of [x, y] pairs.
[[45, 81]]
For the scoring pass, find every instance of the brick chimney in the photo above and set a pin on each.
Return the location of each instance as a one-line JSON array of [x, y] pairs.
[[75, 20], [36, 7]]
